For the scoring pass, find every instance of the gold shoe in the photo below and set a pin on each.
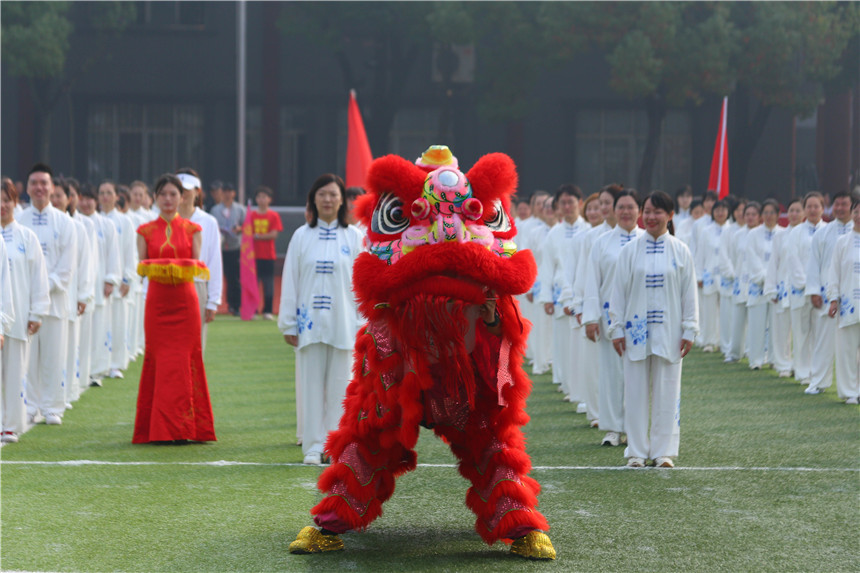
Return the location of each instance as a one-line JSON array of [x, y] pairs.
[[535, 545], [311, 540]]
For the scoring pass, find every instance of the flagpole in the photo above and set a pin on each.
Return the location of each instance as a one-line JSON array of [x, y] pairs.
[[722, 145], [241, 30]]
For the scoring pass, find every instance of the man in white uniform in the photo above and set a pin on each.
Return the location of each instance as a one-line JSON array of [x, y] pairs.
[[121, 302], [817, 268], [48, 347], [208, 292]]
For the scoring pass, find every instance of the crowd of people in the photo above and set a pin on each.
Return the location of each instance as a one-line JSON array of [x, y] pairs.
[[72, 300], [626, 286], [737, 282]]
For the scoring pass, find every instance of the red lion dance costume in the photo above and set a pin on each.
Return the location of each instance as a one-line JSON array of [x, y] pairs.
[[439, 247]]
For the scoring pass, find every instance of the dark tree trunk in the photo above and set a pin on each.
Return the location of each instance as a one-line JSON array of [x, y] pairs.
[[656, 110], [743, 141]]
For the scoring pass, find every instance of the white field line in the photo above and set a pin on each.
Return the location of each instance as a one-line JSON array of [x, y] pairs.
[[225, 463]]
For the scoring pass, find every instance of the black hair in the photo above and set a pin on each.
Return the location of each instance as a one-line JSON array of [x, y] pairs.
[[354, 192], [794, 200], [217, 184], [755, 205], [613, 189], [630, 192], [726, 203], [10, 189], [840, 195], [164, 180], [87, 190], [61, 183], [811, 195], [685, 190], [771, 203], [322, 181], [567, 189], [41, 168], [710, 195], [265, 191], [696, 203], [228, 187]]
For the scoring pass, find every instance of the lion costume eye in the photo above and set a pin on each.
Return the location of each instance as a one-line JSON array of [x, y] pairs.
[[389, 217], [500, 223]]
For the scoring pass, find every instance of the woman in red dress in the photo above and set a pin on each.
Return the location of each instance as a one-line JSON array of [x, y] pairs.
[[173, 398]]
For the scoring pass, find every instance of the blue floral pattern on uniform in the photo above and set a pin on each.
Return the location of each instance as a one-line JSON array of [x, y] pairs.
[[303, 321], [707, 278], [845, 306], [725, 282], [606, 313], [637, 329], [755, 289], [556, 293], [796, 291], [536, 288], [781, 291], [736, 288], [345, 250]]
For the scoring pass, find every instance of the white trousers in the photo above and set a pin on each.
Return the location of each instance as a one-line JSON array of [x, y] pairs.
[[589, 374], [726, 309], [133, 326], [119, 333], [700, 338], [526, 311], [101, 340], [611, 387], [73, 371], [85, 350], [757, 333], [823, 335], [299, 407], [780, 339], [14, 373], [576, 380], [141, 308], [46, 375], [202, 298], [541, 336], [561, 349], [709, 309], [848, 361], [652, 386], [738, 332], [325, 373], [801, 326]]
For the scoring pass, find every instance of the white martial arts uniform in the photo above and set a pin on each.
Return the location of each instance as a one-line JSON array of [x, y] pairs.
[[108, 271], [208, 291], [48, 347], [557, 272], [707, 261], [823, 328], [587, 380], [318, 305], [698, 228], [758, 249], [139, 217], [80, 292], [595, 310], [540, 338], [524, 227], [776, 289], [7, 319], [731, 257], [797, 246], [843, 285], [122, 306], [30, 292], [653, 307], [85, 344]]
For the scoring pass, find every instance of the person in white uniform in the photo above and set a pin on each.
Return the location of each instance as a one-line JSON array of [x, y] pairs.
[[541, 334], [7, 319], [595, 312], [730, 257], [523, 220], [29, 278], [823, 331], [588, 383], [208, 291], [318, 314], [843, 290], [797, 246], [80, 293], [653, 318], [707, 261], [140, 214], [758, 249], [524, 231], [557, 273], [45, 392], [108, 278], [121, 302], [776, 289]]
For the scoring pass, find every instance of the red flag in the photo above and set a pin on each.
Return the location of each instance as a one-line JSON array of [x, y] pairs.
[[719, 180], [248, 270], [358, 156]]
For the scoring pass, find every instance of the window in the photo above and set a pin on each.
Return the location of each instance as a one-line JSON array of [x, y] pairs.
[[131, 141], [610, 145]]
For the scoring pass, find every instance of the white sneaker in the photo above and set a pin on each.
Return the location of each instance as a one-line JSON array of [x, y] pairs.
[[268, 316], [313, 459], [53, 420], [9, 438], [635, 463], [611, 439], [785, 374], [813, 390], [664, 462], [115, 373], [708, 348], [581, 408], [852, 401], [595, 423]]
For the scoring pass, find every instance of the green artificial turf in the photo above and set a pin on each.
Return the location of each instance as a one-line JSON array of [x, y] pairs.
[[768, 480]]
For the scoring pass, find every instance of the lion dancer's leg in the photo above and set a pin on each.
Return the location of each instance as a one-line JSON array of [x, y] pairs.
[[370, 448]]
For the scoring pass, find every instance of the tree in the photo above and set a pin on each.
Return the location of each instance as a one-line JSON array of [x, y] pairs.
[[37, 36], [662, 54]]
